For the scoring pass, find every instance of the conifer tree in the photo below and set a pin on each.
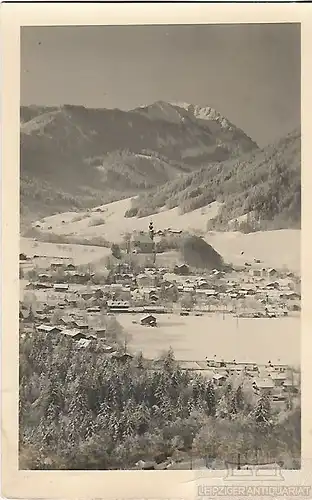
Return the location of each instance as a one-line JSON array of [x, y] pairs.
[[262, 412], [222, 408]]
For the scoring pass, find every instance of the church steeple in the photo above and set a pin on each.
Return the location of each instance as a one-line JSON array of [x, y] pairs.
[[151, 230]]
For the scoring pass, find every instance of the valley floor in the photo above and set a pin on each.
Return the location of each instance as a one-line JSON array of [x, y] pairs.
[[194, 338]]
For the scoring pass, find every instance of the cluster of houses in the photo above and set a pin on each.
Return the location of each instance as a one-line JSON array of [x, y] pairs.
[[155, 290], [263, 272], [279, 382], [151, 292], [238, 294], [78, 313], [72, 326]]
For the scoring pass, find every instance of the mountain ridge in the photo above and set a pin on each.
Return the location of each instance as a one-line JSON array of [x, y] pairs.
[[159, 111], [77, 150]]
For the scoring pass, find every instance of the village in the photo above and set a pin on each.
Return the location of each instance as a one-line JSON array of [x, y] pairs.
[[59, 297], [158, 194]]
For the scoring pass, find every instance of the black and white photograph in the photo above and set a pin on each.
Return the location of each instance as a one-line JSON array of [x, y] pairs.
[[159, 261]]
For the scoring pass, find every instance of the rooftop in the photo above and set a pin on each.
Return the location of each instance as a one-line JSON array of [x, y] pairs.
[[264, 383], [72, 332], [47, 328], [83, 343], [142, 238]]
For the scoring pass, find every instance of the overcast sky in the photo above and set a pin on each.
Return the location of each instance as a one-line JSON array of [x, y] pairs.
[[250, 73]]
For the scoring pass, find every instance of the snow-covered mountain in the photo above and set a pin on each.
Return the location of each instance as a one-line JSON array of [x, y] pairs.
[[74, 150]]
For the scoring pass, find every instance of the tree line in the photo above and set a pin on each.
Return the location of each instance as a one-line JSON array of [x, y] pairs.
[[80, 409]]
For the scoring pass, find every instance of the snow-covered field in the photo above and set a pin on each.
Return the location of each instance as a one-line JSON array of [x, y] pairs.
[[115, 224], [279, 249], [77, 254], [194, 338]]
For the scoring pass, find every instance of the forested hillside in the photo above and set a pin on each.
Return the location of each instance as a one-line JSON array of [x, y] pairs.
[[98, 180], [80, 410], [266, 182]]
